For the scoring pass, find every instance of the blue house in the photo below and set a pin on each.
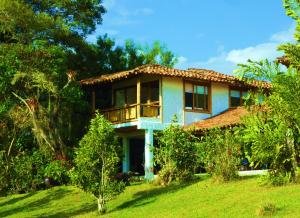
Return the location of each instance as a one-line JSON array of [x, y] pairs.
[[143, 100]]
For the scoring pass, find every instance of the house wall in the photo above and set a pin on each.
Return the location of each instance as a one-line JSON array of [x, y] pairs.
[[172, 99], [220, 98], [173, 103], [190, 117]]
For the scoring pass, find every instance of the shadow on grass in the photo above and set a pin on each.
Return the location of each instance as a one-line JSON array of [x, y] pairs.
[[143, 198], [92, 207], [16, 199], [53, 195]]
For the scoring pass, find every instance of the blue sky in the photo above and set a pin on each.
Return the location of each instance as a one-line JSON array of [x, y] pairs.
[[202, 33]]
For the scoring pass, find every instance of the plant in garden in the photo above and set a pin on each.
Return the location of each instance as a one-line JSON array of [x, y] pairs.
[[220, 151], [57, 171], [273, 128], [96, 162], [176, 154]]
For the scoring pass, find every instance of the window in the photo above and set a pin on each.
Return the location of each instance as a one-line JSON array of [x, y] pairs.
[[125, 96], [196, 97], [150, 92], [236, 97]]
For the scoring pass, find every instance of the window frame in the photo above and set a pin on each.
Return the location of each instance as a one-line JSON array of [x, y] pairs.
[[125, 93], [195, 83], [241, 90], [148, 84]]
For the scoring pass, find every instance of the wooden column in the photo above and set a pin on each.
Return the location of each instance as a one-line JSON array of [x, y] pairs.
[[93, 101], [138, 97], [161, 99]]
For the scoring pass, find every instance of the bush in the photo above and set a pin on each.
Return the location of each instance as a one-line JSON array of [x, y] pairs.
[[275, 179], [221, 152], [176, 154], [57, 172], [22, 173], [96, 162], [267, 209], [272, 142]]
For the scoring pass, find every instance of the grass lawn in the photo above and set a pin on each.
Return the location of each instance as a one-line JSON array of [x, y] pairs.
[[198, 199]]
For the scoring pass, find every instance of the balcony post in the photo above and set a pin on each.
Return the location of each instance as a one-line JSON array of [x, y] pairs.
[[138, 97], [93, 101], [149, 175]]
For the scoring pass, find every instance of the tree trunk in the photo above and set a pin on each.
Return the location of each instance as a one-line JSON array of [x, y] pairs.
[[101, 205]]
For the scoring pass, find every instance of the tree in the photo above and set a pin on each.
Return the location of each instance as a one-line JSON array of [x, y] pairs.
[[106, 57], [272, 128], [37, 40], [96, 162], [176, 154]]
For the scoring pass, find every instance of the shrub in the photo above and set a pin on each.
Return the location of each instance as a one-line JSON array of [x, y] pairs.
[[176, 154], [96, 162], [22, 173], [272, 142], [275, 179], [220, 152], [267, 209], [57, 171]]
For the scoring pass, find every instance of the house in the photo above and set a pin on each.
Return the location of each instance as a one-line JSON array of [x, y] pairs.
[[145, 99]]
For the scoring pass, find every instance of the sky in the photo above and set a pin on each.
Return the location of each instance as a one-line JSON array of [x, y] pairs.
[[207, 34]]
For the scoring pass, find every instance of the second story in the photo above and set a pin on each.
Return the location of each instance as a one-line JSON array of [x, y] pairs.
[[151, 95]]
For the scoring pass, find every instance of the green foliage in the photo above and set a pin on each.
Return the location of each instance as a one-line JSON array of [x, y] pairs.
[[292, 8], [96, 162], [220, 150], [107, 57], [57, 21], [22, 173], [272, 128], [176, 154], [272, 143], [57, 170], [267, 209]]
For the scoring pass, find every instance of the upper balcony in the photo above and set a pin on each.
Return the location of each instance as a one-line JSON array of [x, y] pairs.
[[130, 100], [132, 112]]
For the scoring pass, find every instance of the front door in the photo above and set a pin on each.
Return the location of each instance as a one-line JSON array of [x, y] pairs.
[[137, 154]]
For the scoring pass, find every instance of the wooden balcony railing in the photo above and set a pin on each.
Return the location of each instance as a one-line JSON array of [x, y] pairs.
[[130, 112]]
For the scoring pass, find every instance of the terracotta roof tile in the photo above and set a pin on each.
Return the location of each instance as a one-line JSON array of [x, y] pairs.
[[231, 117], [154, 69]]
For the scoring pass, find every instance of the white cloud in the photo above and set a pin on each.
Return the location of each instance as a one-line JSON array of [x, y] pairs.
[[226, 62], [255, 53], [284, 36], [181, 62]]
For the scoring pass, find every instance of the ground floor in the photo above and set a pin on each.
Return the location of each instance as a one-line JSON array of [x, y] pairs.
[[138, 152]]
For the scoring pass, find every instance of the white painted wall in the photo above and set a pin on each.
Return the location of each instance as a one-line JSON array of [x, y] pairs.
[[220, 98], [172, 103], [172, 99], [191, 117]]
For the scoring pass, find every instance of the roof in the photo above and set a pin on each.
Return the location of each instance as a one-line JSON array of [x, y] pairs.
[[192, 73], [230, 117]]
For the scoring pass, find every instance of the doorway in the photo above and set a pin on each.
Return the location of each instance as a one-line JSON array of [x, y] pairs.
[[137, 154]]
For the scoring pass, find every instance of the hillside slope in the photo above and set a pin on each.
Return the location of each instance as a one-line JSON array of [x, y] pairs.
[[199, 199]]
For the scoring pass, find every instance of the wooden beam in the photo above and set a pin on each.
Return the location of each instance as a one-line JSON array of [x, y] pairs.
[[93, 101], [138, 96]]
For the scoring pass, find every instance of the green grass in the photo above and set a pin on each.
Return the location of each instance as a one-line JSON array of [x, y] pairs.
[[243, 198]]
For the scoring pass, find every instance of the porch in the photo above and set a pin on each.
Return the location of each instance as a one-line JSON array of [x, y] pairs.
[[130, 100]]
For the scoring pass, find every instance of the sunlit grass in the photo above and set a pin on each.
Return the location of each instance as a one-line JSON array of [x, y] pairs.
[[202, 198]]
